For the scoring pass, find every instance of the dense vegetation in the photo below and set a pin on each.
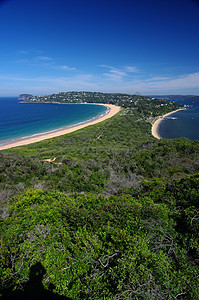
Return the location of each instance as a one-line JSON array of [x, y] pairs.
[[139, 103], [113, 215]]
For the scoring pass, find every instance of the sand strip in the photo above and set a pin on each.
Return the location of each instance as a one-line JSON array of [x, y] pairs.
[[113, 109], [155, 132]]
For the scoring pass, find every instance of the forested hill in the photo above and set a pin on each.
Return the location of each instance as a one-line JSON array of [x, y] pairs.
[[179, 97], [123, 100], [146, 106], [88, 97], [106, 212]]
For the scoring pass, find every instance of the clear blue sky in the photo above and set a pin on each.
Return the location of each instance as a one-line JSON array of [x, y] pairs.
[[128, 46]]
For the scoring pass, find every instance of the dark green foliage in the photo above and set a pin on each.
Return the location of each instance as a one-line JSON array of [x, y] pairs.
[[95, 247]]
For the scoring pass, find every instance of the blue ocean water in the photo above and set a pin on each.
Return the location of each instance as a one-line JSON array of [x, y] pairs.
[[22, 120], [185, 123]]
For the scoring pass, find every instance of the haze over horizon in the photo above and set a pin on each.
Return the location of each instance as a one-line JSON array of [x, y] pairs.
[[146, 47]]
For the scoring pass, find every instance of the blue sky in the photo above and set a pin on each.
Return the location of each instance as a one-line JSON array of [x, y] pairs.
[[127, 46]]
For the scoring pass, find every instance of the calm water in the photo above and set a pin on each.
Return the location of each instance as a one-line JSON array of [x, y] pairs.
[[186, 123], [22, 120]]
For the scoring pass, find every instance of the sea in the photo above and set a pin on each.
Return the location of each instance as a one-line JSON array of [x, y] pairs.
[[184, 123], [20, 120]]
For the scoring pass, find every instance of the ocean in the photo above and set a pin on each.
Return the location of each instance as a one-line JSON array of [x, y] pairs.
[[184, 123], [22, 120]]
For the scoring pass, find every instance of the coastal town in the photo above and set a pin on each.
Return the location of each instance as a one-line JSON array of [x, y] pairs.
[[142, 104]]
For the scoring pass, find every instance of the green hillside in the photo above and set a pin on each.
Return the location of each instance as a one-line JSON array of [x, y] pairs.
[[113, 215]]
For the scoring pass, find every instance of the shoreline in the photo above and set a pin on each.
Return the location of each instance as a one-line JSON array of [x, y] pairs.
[[112, 110], [156, 124]]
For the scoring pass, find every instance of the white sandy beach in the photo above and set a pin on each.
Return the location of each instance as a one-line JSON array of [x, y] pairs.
[[113, 109], [158, 121]]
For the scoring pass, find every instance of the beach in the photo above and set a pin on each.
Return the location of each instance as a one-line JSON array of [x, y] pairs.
[[113, 109], [158, 121]]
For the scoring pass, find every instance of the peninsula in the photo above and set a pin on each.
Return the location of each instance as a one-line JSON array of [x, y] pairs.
[[144, 107]]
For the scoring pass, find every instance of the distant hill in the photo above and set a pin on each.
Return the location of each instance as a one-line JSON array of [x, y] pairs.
[[178, 97]]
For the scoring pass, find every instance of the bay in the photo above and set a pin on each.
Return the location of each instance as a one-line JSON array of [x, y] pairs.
[[183, 123], [23, 120]]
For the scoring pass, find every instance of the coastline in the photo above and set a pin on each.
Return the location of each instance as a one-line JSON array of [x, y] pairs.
[[156, 124], [112, 110]]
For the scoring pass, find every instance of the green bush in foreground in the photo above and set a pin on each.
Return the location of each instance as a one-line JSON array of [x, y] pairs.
[[120, 247]]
